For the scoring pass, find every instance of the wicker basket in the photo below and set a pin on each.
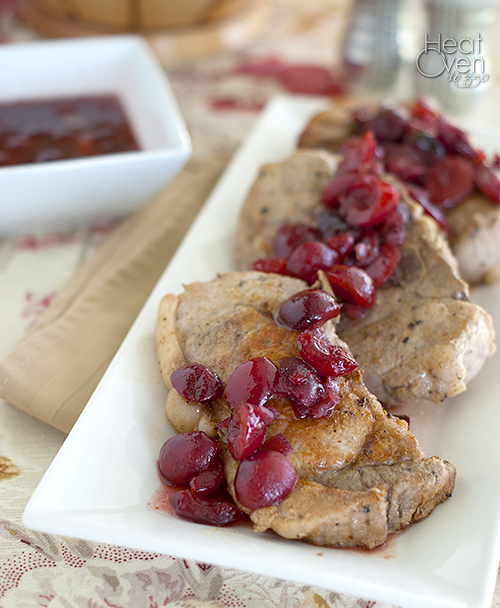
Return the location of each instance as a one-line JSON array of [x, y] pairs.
[[84, 17]]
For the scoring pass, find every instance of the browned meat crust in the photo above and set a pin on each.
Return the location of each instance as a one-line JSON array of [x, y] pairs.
[[362, 474], [329, 129], [422, 340], [474, 225]]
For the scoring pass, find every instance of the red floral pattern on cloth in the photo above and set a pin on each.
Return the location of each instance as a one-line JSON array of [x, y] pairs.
[[33, 242], [56, 572], [36, 304]]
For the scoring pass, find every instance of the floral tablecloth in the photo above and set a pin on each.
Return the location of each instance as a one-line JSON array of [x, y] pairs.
[[220, 98]]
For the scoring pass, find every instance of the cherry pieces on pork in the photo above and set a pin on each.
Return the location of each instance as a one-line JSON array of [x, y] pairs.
[[353, 284], [305, 261], [205, 510], [264, 476], [193, 458], [300, 382], [362, 213], [487, 180], [369, 216], [196, 382], [246, 430], [450, 181], [427, 151], [209, 480], [307, 308], [252, 382], [185, 455], [263, 479], [327, 359]]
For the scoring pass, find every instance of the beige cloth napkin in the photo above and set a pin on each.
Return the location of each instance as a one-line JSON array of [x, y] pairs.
[[53, 371]]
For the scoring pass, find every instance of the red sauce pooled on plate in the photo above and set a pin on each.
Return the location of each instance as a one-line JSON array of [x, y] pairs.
[[159, 501], [55, 129]]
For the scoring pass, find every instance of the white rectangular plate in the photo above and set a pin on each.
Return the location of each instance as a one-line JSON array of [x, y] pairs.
[[99, 484]]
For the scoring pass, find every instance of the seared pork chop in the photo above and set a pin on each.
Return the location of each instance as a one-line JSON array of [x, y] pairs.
[[422, 339], [475, 238], [361, 473], [474, 224]]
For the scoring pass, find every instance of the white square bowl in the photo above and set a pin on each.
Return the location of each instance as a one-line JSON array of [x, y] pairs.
[[68, 194]]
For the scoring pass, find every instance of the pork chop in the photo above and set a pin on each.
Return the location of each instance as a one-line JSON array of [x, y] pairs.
[[475, 238], [474, 224], [422, 339], [361, 473]]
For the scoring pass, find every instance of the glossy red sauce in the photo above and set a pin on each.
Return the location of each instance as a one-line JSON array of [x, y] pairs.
[[56, 129]]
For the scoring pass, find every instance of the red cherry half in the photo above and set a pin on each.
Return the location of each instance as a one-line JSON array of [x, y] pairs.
[[264, 479], [196, 382], [307, 308], [247, 428], [487, 180], [185, 455], [327, 359], [368, 203], [210, 511], [450, 181], [308, 258], [252, 382], [352, 284]]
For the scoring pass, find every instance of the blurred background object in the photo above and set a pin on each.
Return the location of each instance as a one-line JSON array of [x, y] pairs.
[[371, 54], [178, 29], [404, 48], [54, 17], [464, 72]]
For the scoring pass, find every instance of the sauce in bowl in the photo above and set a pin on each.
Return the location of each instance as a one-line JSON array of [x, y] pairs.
[[56, 129]]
